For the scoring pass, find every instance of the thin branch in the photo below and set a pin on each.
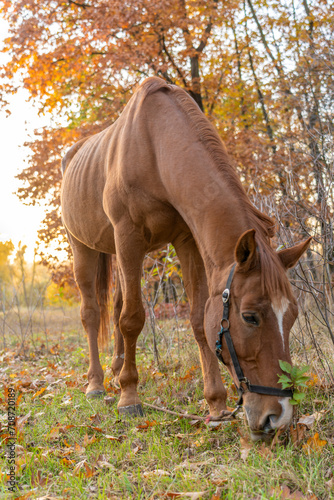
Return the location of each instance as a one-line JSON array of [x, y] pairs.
[[225, 415], [171, 60], [82, 5]]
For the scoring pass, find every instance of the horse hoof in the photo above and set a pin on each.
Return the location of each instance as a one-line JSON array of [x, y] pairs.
[[97, 393], [133, 410]]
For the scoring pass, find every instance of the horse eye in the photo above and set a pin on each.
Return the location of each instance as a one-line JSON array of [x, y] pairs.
[[251, 318]]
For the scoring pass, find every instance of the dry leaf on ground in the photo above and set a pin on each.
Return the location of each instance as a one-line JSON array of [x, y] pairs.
[[88, 440], [265, 451], [38, 393], [115, 438], [156, 473], [284, 493], [84, 469], [147, 424], [196, 495], [96, 419], [20, 421], [309, 420], [298, 434], [314, 443], [330, 484], [245, 446]]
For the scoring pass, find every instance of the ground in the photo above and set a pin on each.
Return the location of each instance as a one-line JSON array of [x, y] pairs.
[[69, 447]]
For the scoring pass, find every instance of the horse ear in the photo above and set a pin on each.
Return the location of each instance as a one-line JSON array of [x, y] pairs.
[[290, 256], [245, 250]]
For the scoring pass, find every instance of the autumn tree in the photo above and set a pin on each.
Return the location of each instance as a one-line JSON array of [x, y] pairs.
[[6, 249], [261, 70]]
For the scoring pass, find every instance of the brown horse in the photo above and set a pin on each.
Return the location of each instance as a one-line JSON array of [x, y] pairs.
[[161, 174]]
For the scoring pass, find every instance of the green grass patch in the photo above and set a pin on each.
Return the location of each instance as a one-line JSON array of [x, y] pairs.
[[70, 447]]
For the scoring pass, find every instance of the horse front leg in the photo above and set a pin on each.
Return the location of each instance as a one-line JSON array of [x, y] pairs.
[[195, 283], [118, 354], [130, 255]]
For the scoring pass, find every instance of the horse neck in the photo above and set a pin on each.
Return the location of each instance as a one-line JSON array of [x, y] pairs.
[[216, 209], [198, 179]]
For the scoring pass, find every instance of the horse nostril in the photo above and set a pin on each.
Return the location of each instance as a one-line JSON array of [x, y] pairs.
[[267, 424]]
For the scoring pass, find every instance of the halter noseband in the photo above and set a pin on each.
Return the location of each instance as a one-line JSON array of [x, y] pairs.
[[225, 330]]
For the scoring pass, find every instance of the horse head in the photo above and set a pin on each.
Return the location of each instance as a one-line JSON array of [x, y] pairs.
[[257, 321]]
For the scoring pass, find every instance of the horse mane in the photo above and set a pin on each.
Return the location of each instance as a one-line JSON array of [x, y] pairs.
[[273, 276], [274, 280]]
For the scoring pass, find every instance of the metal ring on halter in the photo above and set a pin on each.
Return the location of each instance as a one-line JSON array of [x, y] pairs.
[[227, 322]]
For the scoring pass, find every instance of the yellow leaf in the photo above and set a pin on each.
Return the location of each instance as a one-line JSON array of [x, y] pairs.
[[38, 393], [314, 443]]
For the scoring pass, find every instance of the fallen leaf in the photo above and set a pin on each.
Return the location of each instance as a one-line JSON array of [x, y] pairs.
[[20, 421], [26, 495], [115, 438], [67, 401], [330, 484], [219, 482], [102, 462], [19, 399], [90, 471], [68, 462], [38, 393], [307, 420], [245, 446], [96, 419], [284, 493], [314, 443], [88, 440], [82, 468], [38, 480], [265, 451], [47, 497], [298, 434], [156, 473], [146, 425], [56, 431], [79, 449], [136, 449], [329, 473], [196, 495], [48, 396]]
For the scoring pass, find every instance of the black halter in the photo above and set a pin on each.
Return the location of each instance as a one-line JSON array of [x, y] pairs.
[[225, 330]]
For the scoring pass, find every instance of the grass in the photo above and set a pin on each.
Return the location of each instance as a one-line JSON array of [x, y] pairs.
[[70, 447]]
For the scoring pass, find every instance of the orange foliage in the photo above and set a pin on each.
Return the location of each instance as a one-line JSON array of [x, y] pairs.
[[261, 71]]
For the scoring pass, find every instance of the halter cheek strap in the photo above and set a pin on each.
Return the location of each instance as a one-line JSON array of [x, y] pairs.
[[225, 331]]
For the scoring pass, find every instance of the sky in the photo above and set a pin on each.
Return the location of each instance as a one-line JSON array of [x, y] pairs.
[[18, 222]]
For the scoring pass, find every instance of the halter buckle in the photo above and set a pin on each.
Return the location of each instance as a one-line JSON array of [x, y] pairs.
[[245, 381], [226, 295]]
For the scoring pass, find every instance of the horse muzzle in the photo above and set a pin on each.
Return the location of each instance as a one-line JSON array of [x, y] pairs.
[[264, 422]]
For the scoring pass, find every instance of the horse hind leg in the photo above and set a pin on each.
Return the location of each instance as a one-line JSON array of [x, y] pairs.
[[92, 276]]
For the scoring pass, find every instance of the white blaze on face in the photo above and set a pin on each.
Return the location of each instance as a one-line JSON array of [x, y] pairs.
[[280, 306]]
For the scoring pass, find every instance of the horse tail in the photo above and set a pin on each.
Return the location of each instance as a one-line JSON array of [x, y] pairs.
[[103, 293]]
